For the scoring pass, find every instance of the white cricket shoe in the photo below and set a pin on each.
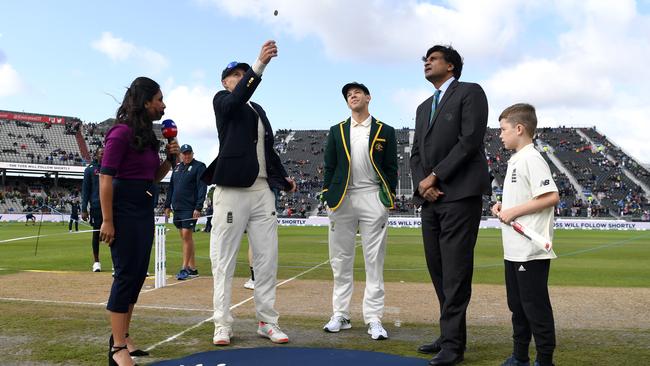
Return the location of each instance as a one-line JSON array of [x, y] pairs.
[[250, 284], [272, 332], [337, 323], [97, 267], [377, 331], [222, 336]]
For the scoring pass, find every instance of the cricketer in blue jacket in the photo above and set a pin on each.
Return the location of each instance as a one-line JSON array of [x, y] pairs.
[[90, 194], [185, 196]]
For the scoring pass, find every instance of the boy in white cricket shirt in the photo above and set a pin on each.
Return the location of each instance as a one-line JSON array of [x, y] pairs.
[[529, 196]]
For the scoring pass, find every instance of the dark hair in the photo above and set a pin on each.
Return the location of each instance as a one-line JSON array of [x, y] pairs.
[[133, 113], [450, 55], [523, 114]]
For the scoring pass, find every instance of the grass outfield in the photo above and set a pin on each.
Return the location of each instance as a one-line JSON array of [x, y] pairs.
[[60, 333], [76, 335], [586, 258]]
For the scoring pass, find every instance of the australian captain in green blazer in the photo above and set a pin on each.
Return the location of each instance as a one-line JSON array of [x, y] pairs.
[[383, 156]]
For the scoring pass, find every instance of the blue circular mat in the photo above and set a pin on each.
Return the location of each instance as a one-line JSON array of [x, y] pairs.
[[283, 356]]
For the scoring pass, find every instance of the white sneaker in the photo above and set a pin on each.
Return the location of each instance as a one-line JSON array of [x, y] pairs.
[[250, 284], [272, 332], [97, 267], [377, 331], [222, 336], [337, 323]]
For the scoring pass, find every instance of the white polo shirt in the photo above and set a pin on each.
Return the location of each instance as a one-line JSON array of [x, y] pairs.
[[364, 178], [528, 176]]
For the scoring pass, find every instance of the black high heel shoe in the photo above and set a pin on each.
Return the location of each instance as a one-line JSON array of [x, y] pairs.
[[113, 350], [137, 352]]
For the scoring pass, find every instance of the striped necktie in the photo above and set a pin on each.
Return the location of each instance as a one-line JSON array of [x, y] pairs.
[[434, 105]]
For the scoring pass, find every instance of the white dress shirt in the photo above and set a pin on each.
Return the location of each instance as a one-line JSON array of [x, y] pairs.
[[363, 175], [444, 87]]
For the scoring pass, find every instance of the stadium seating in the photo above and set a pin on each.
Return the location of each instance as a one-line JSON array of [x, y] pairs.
[[302, 155], [600, 177], [39, 143], [617, 154]]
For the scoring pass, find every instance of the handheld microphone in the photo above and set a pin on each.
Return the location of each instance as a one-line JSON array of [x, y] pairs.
[[169, 129]]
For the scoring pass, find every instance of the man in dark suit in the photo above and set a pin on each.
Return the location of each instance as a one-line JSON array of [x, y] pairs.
[[450, 175], [245, 171]]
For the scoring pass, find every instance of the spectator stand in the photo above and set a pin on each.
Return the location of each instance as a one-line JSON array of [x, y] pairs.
[[594, 176], [630, 167]]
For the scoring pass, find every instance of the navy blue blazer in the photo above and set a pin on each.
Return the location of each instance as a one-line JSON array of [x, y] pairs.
[[236, 165]]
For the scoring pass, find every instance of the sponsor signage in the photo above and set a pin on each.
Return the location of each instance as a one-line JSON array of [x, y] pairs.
[[410, 222], [32, 118], [43, 167]]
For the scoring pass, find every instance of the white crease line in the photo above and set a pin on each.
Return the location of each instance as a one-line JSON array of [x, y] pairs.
[[173, 308], [231, 309], [177, 335], [52, 301], [152, 289], [45, 236], [163, 308], [156, 307], [171, 284], [302, 273]]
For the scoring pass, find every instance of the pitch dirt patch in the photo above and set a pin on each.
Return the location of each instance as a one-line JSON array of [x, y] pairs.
[[574, 307]]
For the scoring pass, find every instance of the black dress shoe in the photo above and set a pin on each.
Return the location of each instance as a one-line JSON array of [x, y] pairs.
[[430, 348], [137, 352], [446, 358]]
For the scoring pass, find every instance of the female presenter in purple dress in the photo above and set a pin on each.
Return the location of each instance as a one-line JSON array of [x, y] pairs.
[[130, 168]]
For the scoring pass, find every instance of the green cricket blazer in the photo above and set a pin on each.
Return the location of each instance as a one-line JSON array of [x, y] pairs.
[[382, 148]]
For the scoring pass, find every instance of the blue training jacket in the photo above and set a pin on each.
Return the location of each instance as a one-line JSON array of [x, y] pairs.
[[186, 189], [90, 187]]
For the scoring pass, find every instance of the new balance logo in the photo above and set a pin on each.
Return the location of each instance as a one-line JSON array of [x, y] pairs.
[[521, 268]]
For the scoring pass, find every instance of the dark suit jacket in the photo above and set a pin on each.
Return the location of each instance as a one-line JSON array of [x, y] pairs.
[[382, 147], [236, 165], [453, 146]]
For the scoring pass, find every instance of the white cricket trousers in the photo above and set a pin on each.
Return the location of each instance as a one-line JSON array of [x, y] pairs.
[[236, 210], [362, 210]]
